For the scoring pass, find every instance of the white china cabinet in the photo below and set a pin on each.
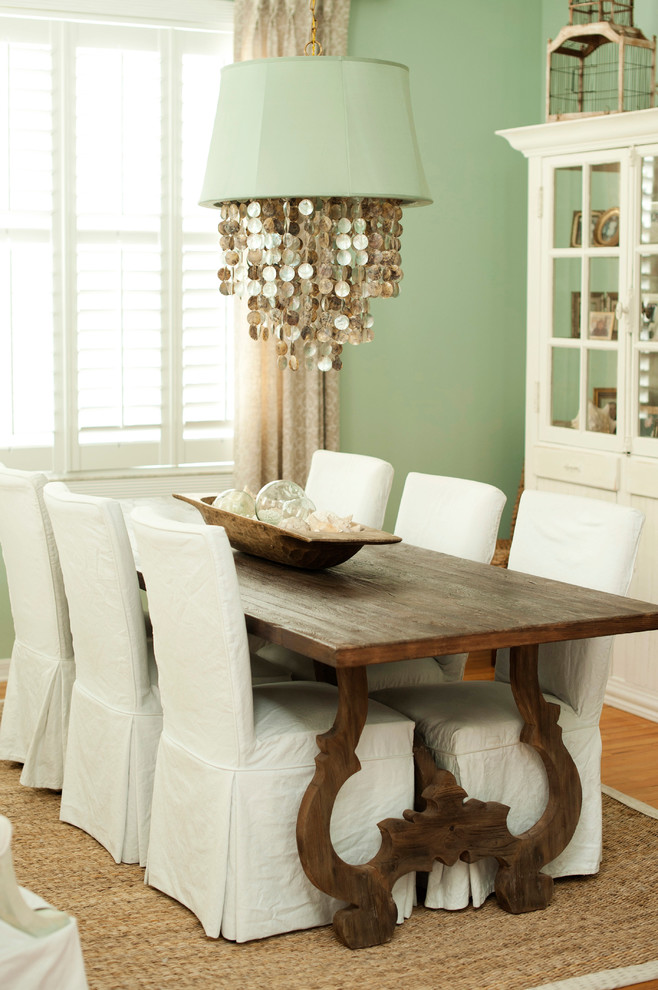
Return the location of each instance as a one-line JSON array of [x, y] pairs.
[[592, 338]]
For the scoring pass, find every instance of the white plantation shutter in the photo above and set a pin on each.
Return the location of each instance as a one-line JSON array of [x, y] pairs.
[[206, 353], [119, 344], [115, 345], [26, 202]]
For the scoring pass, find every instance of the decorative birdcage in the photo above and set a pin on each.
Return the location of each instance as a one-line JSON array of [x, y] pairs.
[[600, 62]]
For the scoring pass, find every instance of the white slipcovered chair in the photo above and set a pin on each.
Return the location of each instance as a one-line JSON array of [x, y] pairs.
[[262, 671], [35, 719], [39, 947], [350, 485], [472, 728], [355, 485], [116, 717], [235, 759], [451, 515]]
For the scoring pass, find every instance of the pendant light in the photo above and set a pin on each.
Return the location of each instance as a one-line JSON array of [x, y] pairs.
[[312, 159]]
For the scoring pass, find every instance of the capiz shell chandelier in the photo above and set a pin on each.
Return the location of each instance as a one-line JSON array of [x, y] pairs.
[[310, 163]]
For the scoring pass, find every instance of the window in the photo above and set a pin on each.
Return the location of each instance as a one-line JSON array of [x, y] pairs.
[[115, 345]]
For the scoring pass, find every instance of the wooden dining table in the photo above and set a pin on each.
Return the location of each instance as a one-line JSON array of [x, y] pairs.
[[399, 602]]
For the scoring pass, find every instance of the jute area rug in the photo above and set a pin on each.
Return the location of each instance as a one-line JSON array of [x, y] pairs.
[[135, 937]]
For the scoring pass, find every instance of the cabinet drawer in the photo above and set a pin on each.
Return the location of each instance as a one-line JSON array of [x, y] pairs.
[[579, 467]]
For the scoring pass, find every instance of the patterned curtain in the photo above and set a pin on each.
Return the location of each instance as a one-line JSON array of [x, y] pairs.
[[281, 417]]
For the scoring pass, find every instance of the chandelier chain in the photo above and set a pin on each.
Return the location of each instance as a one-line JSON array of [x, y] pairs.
[[313, 47]]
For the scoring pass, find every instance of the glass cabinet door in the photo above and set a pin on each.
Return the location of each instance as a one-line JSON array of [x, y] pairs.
[[585, 280], [645, 317]]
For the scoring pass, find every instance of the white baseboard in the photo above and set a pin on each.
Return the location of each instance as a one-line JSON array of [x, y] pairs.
[[4, 669], [637, 701]]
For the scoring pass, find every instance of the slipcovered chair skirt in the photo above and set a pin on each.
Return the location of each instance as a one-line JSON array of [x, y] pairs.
[[35, 719]]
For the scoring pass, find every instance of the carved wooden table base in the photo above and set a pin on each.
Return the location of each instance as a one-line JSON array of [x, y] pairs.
[[449, 826]]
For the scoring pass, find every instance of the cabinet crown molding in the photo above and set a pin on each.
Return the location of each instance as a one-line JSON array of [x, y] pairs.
[[605, 131]]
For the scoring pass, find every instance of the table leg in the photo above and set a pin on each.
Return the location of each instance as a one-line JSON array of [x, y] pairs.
[[448, 826], [444, 829], [520, 886], [371, 916]]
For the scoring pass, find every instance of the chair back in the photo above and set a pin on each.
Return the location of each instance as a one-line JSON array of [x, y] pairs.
[[350, 485], [582, 541], [450, 515], [107, 618], [34, 576], [199, 636]]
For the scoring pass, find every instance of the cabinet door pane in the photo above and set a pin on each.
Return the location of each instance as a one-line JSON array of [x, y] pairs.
[[604, 204], [648, 394], [603, 298], [649, 297], [565, 385], [602, 391], [568, 207], [566, 297], [649, 213]]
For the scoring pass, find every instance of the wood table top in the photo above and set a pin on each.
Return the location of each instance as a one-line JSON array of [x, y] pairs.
[[399, 602]]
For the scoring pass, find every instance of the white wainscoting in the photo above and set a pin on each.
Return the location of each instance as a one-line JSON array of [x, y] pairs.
[[156, 484]]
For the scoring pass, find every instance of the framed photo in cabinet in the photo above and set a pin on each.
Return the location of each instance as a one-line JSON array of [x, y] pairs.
[[577, 227], [575, 314], [604, 397], [599, 302], [601, 325], [606, 231]]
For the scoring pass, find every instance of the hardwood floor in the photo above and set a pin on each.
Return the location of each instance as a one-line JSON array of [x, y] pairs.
[[629, 754], [629, 746]]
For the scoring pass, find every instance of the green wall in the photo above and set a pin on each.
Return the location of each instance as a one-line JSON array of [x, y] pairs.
[[441, 387]]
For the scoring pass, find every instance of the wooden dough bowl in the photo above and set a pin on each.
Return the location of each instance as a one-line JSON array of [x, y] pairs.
[[260, 539]]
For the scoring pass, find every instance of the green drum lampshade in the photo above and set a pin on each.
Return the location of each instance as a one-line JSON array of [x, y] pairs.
[[311, 160], [314, 126]]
